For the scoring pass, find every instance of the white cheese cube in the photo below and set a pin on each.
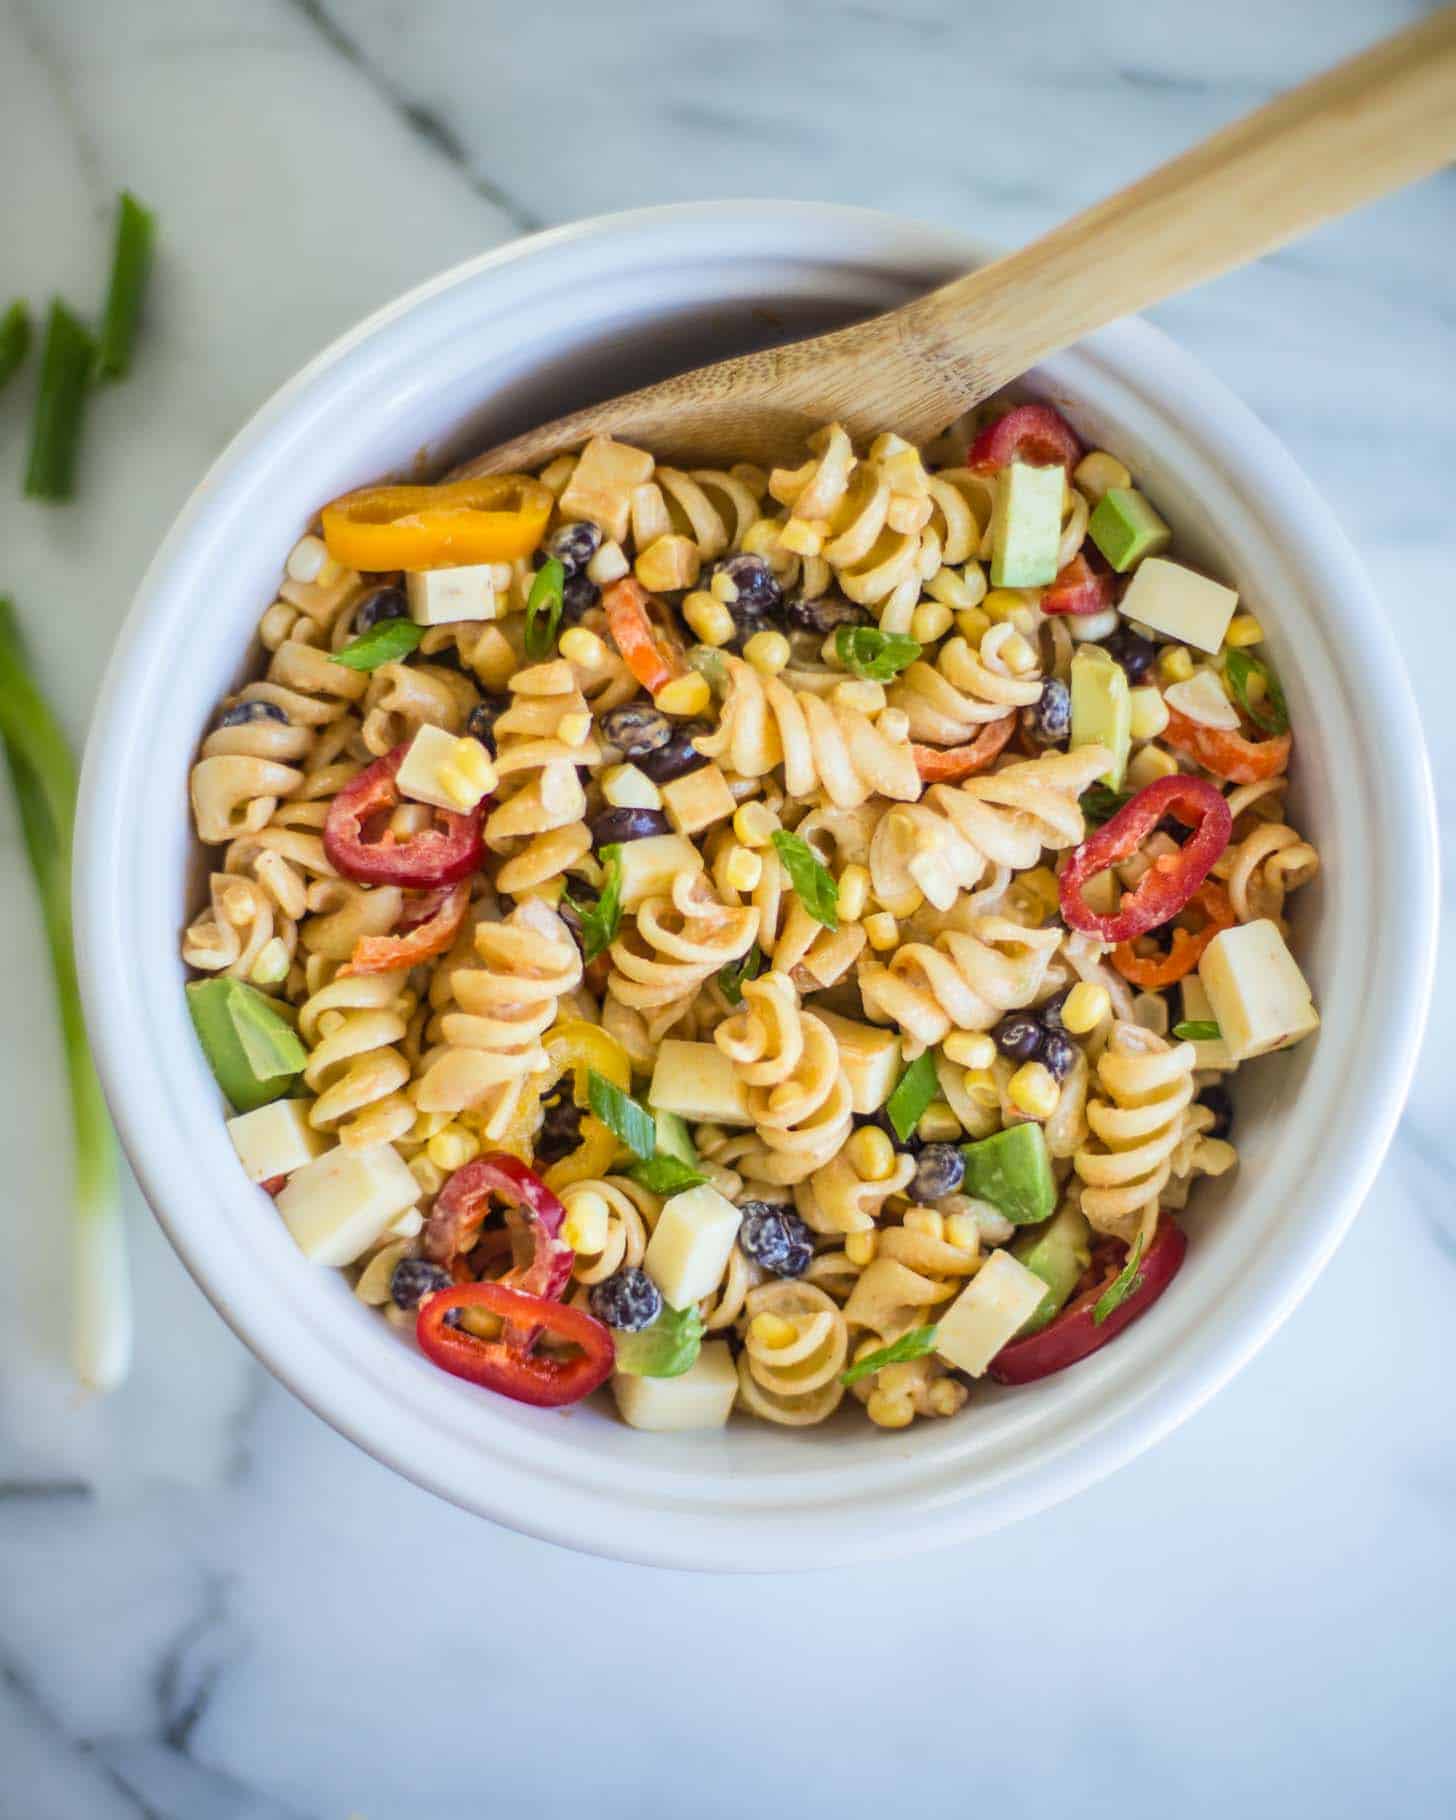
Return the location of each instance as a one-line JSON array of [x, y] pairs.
[[991, 1310], [445, 771], [276, 1139], [697, 1081], [439, 597], [701, 1398], [1179, 603], [698, 800], [1257, 993], [343, 1202], [690, 1244], [602, 484], [869, 1056], [649, 866], [1212, 1053]]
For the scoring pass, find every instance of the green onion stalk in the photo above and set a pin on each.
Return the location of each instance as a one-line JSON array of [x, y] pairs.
[[43, 776]]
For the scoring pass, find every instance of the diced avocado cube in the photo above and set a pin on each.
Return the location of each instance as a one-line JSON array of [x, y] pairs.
[[1012, 1170], [1026, 525], [674, 1139], [1126, 528], [1102, 708], [666, 1349], [254, 1052], [1058, 1253]]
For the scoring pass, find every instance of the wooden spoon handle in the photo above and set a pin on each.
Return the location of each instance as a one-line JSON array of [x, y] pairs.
[[1383, 119]]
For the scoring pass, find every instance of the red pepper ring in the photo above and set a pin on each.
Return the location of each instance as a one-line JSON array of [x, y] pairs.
[[513, 1364], [1032, 433], [1153, 971], [1082, 587], [427, 928], [442, 854], [949, 764], [1170, 881], [462, 1204]]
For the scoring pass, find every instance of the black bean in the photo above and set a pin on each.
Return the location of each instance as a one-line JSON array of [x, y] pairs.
[[1220, 1104], [414, 1279], [676, 758], [481, 724], [574, 545], [940, 1170], [775, 1238], [1130, 649], [637, 728], [1020, 1036], [826, 614], [243, 713], [1058, 1054], [758, 589], [560, 1131], [382, 603], [610, 825], [1049, 718], [578, 597], [628, 1300]]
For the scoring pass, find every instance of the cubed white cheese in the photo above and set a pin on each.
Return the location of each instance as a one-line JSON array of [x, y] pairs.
[[991, 1310], [1201, 698], [698, 800], [701, 1398], [276, 1139], [1180, 603], [343, 1202], [445, 771], [1258, 995], [1211, 1053], [696, 1081], [649, 866], [439, 597], [602, 484], [869, 1056], [690, 1244]]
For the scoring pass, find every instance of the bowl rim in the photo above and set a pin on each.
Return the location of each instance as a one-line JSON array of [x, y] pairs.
[[679, 1533]]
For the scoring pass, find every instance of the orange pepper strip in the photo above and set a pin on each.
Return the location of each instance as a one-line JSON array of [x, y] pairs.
[[431, 935], [647, 654], [492, 518], [950, 765], [1228, 755], [1151, 971]]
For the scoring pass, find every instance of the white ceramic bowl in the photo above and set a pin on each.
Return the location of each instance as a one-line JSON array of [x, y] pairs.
[[525, 333]]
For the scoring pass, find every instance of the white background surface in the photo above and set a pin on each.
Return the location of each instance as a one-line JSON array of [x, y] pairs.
[[213, 1609]]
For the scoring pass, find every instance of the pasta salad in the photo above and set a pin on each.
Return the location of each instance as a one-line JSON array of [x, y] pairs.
[[762, 940]]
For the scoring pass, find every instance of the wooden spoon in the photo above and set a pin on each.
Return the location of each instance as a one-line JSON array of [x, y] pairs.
[[1385, 118]]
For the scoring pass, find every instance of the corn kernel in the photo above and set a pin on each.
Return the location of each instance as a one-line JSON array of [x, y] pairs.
[[272, 963], [768, 652], [467, 774], [804, 536], [709, 618], [754, 824], [1039, 889], [588, 1223], [723, 588], [772, 1331], [583, 648], [1033, 1090], [969, 1049], [973, 625], [963, 1231], [430, 1176], [881, 931], [871, 1154], [452, 1148], [894, 725], [1003, 604], [938, 1125], [979, 1086], [1175, 663], [859, 1248], [928, 1221], [867, 697], [684, 695], [625, 787], [306, 559], [1147, 765], [945, 1396], [574, 729], [930, 621], [608, 565], [1243, 630], [890, 1412], [743, 869], [1096, 473], [1149, 713], [1084, 1007], [854, 892]]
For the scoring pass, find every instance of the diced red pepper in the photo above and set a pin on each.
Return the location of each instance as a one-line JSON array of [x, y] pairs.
[[443, 854], [649, 652], [514, 1364], [1171, 880], [1076, 1333], [1228, 755], [1152, 971], [437, 922], [949, 764], [1080, 588], [462, 1204], [1033, 433], [275, 1184]]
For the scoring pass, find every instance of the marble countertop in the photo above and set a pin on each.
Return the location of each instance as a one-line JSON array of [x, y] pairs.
[[211, 1607]]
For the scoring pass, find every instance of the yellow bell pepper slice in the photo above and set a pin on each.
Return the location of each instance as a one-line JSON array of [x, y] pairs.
[[579, 1046], [492, 518]]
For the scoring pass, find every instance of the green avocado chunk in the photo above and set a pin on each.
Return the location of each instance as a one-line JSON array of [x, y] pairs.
[[1058, 1253], [666, 1349], [1011, 1170], [1026, 525], [1102, 709], [1125, 527], [251, 1049], [674, 1139]]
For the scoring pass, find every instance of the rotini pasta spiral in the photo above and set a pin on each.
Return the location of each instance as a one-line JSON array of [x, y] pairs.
[[352, 1027], [1266, 859], [672, 947], [1137, 1120], [948, 702], [794, 1347], [630, 1211], [540, 740], [838, 1199], [964, 980], [797, 1093], [402, 698]]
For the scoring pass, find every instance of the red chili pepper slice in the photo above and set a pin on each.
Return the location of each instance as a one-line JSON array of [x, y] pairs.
[[437, 920], [1033, 433], [1075, 1334], [462, 1204], [949, 764], [439, 855], [1170, 881], [1151, 971], [1228, 755], [1079, 589], [513, 1364], [275, 1184]]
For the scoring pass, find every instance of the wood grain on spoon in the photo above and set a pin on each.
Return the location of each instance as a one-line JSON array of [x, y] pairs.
[[1383, 119]]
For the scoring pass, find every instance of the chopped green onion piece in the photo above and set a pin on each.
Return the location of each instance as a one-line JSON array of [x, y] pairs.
[[543, 608], [912, 1345], [1197, 1030], [599, 921], [666, 1174], [43, 774], [390, 640], [131, 260], [1269, 713], [876, 656], [55, 430], [1128, 1282], [731, 977], [916, 1088], [622, 1116], [14, 338], [810, 878]]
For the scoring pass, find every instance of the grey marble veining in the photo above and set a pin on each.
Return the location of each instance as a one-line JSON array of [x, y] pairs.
[[211, 1608]]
